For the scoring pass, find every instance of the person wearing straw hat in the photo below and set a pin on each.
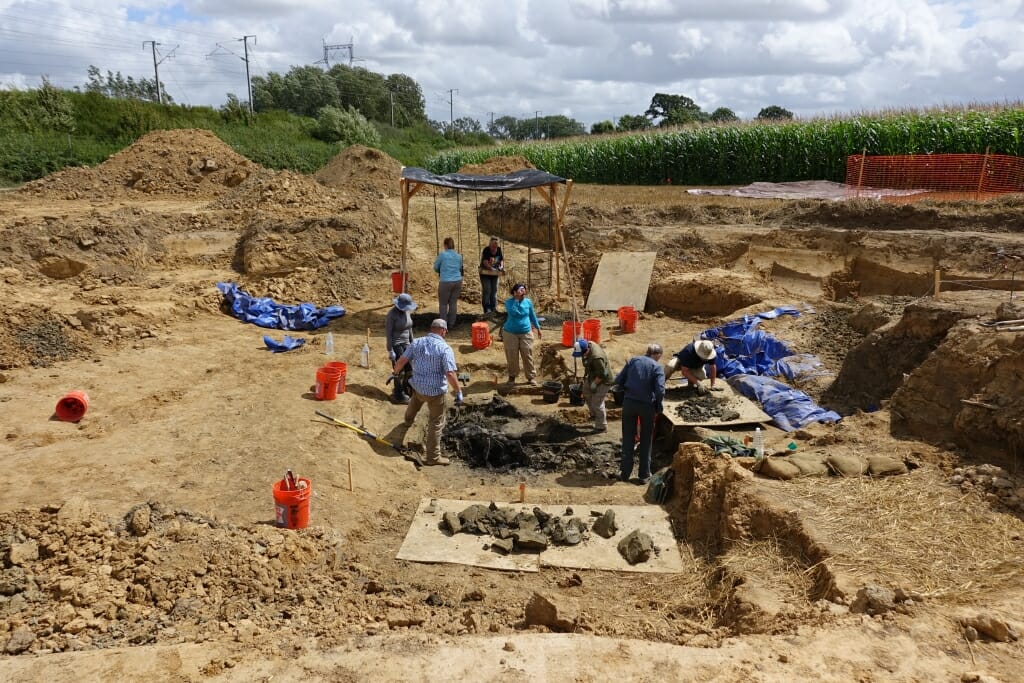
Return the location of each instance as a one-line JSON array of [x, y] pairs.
[[517, 334], [643, 382], [597, 380], [433, 371], [449, 268], [492, 267], [690, 362], [398, 335]]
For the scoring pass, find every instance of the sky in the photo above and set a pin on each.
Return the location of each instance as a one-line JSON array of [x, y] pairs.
[[590, 60]]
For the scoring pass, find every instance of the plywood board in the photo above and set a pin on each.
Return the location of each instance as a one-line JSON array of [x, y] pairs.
[[622, 279], [676, 395], [426, 542]]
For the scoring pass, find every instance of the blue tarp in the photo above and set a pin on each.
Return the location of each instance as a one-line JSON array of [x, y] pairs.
[[266, 312], [746, 354], [790, 408], [286, 344]]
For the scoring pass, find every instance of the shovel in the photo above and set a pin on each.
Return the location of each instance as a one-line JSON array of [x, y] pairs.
[[406, 453]]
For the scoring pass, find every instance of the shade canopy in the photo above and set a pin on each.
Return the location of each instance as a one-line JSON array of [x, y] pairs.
[[516, 180]]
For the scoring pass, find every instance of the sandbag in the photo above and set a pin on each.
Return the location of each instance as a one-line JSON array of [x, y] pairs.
[[847, 465], [810, 465], [885, 466], [779, 468]]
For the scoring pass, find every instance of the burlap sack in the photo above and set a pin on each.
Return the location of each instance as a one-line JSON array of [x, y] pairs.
[[847, 465], [810, 465], [885, 466], [779, 468]]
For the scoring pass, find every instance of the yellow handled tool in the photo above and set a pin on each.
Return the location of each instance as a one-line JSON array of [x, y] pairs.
[[406, 453]]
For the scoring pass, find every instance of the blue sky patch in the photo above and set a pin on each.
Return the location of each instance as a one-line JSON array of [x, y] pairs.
[[172, 14]]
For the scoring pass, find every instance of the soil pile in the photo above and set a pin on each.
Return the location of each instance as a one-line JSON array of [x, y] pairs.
[[282, 191], [40, 338], [364, 169], [165, 162], [497, 166]]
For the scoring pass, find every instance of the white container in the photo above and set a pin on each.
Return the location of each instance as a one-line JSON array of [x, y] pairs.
[[758, 444], [364, 356], [329, 344]]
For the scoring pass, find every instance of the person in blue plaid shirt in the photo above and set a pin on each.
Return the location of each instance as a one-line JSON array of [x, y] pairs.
[[433, 369]]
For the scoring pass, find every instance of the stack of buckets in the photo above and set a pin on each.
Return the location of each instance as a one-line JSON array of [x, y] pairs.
[[481, 335], [627, 318], [330, 380], [592, 330], [571, 331]]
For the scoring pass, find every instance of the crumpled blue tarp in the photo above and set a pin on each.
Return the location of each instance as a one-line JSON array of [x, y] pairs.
[[747, 354], [789, 408], [266, 312], [286, 344]]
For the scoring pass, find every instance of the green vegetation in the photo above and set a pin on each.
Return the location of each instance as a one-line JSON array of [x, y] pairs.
[[740, 154]]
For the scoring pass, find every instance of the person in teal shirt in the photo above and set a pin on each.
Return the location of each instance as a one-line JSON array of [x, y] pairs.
[[517, 334], [448, 266]]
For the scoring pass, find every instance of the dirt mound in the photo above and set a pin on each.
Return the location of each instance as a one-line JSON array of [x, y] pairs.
[[165, 162], [497, 166], [362, 168], [283, 191], [39, 337]]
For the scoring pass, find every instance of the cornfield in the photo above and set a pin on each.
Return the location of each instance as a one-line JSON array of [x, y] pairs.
[[773, 152]]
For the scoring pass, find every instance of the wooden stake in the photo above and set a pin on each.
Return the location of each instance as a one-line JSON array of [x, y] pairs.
[[362, 422], [350, 475], [522, 492], [938, 281]]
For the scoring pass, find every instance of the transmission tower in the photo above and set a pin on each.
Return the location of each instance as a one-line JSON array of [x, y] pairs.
[[328, 49]]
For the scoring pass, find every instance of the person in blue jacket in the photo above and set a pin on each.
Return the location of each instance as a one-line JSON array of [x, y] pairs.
[[643, 381], [448, 266], [517, 334]]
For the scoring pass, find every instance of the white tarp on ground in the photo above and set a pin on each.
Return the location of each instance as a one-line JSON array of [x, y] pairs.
[[804, 189], [426, 542]]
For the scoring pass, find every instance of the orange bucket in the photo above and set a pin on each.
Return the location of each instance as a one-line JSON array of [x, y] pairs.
[[592, 330], [628, 317], [327, 380], [72, 406], [570, 332], [343, 369], [399, 283], [481, 335], [291, 508]]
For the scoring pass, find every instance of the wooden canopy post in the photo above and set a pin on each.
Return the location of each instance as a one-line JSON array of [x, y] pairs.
[[408, 190], [557, 216]]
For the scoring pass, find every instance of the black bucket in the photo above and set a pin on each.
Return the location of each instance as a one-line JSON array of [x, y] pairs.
[[618, 394], [576, 394], [550, 391]]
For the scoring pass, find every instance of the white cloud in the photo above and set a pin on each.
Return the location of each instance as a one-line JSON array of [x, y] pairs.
[[641, 49]]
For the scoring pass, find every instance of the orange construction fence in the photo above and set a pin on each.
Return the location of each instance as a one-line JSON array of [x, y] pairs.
[[935, 176]]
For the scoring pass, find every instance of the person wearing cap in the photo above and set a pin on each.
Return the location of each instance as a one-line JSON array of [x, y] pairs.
[[597, 380], [643, 382], [517, 334], [433, 371], [492, 266], [690, 362], [398, 335], [448, 266]]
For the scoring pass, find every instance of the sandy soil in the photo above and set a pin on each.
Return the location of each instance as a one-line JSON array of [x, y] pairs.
[[139, 542]]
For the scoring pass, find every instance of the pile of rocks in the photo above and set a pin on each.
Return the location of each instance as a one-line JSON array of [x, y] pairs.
[[706, 409], [992, 483], [518, 529]]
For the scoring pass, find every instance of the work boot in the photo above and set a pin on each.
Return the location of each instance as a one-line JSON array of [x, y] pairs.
[[440, 460], [398, 395]]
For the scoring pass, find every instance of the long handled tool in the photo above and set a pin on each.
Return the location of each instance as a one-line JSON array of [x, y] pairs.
[[406, 453]]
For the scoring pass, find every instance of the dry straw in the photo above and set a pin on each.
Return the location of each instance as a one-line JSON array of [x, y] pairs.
[[915, 532]]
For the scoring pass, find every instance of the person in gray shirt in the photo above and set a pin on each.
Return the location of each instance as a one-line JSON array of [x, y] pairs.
[[398, 335]]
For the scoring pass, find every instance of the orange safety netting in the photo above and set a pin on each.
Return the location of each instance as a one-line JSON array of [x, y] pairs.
[[945, 176]]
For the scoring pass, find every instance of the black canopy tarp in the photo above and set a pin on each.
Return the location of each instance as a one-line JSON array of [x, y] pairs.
[[516, 180]]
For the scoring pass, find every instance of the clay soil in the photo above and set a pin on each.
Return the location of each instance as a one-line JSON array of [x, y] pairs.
[[140, 542]]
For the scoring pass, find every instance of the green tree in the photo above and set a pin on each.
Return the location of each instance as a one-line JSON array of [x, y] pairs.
[[602, 127], [409, 104], [774, 113], [235, 110], [673, 110], [561, 127], [123, 87], [723, 115], [347, 126], [55, 109], [633, 122]]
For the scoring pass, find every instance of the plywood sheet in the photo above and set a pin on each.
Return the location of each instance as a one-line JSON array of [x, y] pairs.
[[426, 542], [622, 279], [676, 395]]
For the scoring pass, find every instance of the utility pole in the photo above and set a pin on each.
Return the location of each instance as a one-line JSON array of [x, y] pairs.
[[392, 94], [451, 110], [491, 114], [156, 64], [248, 80], [536, 124]]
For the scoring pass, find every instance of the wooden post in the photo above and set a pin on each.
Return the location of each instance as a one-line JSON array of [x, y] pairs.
[[981, 175], [860, 175], [938, 281], [405, 227], [350, 475]]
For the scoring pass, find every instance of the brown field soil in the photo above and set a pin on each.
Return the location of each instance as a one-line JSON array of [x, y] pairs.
[[140, 541]]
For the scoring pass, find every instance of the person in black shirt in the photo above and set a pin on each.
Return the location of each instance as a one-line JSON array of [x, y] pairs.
[[492, 267], [690, 362]]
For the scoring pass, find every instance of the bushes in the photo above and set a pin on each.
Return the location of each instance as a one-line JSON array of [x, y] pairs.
[[347, 126]]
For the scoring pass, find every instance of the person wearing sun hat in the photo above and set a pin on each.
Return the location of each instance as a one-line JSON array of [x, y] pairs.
[[597, 380], [398, 335], [690, 362]]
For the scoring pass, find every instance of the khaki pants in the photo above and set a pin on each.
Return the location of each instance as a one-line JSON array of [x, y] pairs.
[[595, 403], [519, 346], [436, 414]]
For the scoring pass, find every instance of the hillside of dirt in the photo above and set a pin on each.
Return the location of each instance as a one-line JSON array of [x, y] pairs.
[[362, 168], [497, 165], [141, 542], [188, 162]]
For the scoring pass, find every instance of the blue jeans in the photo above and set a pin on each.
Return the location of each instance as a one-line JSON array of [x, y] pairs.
[[645, 412], [489, 293]]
